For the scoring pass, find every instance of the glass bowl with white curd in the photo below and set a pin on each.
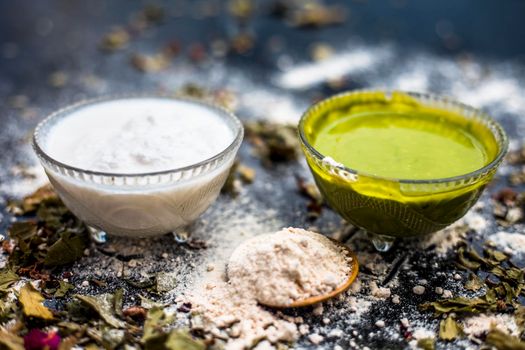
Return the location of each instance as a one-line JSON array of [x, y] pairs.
[[138, 165]]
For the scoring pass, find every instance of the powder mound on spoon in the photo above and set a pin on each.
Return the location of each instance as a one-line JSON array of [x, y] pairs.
[[290, 265]]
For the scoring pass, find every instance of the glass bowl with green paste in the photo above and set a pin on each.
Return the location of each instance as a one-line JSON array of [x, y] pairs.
[[400, 164]]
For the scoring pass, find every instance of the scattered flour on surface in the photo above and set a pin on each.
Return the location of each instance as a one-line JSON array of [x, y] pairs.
[[300, 263], [514, 242], [478, 325]]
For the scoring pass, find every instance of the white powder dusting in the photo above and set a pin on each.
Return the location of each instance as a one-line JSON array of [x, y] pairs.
[[447, 238], [513, 242], [275, 269], [306, 75], [478, 325]]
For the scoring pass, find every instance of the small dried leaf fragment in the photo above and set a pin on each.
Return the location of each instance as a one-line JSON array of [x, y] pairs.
[[449, 329], [7, 278], [118, 38], [31, 301], [426, 343], [69, 248], [104, 306], [273, 142], [503, 341], [10, 341], [182, 340], [151, 63], [63, 288], [474, 283]]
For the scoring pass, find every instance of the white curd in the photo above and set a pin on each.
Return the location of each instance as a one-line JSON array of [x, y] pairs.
[[138, 136]]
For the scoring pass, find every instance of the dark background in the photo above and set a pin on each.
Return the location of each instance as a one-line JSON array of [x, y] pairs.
[[431, 38]]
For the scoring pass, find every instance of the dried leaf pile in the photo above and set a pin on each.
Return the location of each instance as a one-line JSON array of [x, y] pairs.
[[38, 308]]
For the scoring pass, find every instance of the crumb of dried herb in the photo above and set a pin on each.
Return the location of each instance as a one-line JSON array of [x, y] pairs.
[[474, 283], [449, 329], [222, 97], [309, 14], [117, 39], [9, 340], [150, 63], [7, 278], [239, 173], [273, 142], [426, 343], [503, 341], [58, 79], [63, 289]]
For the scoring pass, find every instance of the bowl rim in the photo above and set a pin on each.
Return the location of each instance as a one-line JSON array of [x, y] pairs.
[[495, 128], [65, 111]]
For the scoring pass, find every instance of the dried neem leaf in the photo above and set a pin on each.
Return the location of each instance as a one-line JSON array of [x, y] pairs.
[[150, 63], [222, 97], [7, 278], [23, 233], [465, 261], [153, 327], [69, 248], [31, 301], [230, 186], [104, 306], [474, 283], [246, 174], [426, 343], [182, 340], [238, 173], [155, 338], [462, 304], [9, 340], [241, 9], [273, 142], [117, 39], [56, 238], [63, 288], [504, 341], [496, 255], [309, 14], [30, 203], [118, 302], [449, 329], [148, 303]]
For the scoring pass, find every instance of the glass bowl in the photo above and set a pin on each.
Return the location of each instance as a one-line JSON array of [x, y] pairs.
[[389, 208], [138, 204]]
